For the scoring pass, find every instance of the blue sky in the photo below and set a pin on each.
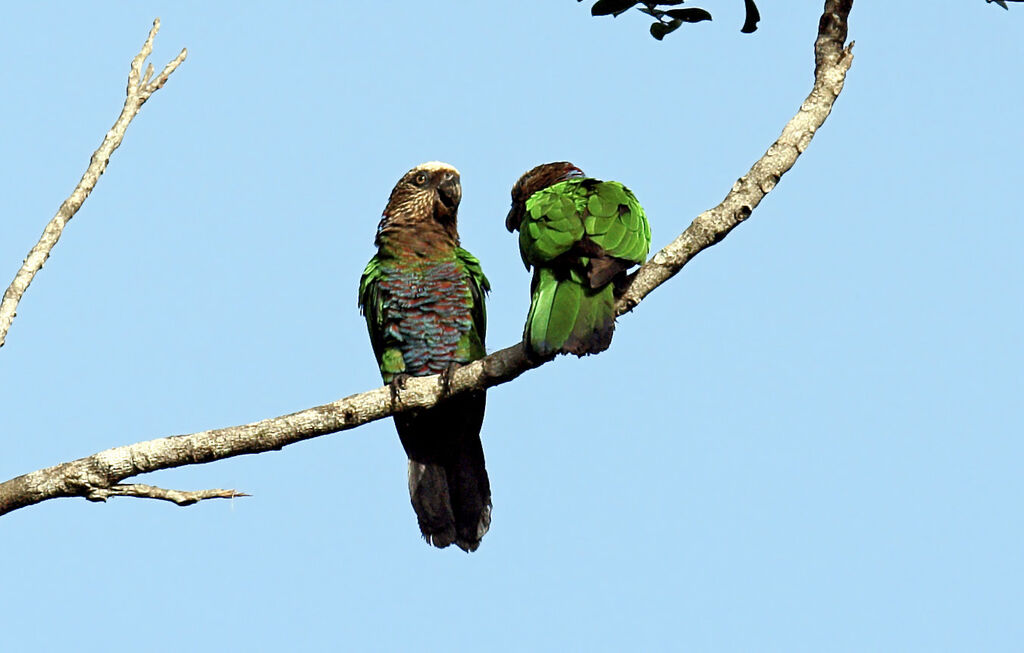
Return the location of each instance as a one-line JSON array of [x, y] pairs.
[[807, 441]]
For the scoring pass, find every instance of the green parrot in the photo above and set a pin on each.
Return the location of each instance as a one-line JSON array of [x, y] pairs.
[[580, 235], [423, 298]]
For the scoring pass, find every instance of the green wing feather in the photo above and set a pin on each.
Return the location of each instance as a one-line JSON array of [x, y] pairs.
[[565, 309], [371, 304], [553, 310], [472, 344], [619, 225], [552, 225]]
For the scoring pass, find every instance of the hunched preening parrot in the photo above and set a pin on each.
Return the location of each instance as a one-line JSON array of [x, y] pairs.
[[580, 235], [423, 298]]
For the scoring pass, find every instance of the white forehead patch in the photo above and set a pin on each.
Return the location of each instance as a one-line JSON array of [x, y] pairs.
[[435, 166]]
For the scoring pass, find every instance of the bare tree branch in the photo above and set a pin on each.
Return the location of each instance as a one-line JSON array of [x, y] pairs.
[[96, 476], [137, 93]]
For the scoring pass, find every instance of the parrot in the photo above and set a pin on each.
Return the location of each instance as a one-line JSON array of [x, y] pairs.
[[423, 299], [580, 235]]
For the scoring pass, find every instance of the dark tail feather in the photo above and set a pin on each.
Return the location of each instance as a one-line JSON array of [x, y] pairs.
[[567, 317], [448, 482], [471, 500], [428, 491]]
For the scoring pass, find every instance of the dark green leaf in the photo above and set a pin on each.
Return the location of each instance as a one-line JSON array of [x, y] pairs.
[[606, 7], [659, 29], [694, 15], [753, 15]]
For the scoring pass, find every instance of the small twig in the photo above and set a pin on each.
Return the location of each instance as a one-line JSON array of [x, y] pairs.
[[180, 497], [137, 93]]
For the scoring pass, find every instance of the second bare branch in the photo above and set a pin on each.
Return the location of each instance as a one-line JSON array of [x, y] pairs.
[[140, 88]]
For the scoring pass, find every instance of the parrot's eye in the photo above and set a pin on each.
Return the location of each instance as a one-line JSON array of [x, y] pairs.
[[420, 179]]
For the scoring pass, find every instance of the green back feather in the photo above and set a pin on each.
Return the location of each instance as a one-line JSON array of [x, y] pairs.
[[559, 216], [565, 314]]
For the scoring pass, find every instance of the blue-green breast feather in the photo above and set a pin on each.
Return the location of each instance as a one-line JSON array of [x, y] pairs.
[[423, 315]]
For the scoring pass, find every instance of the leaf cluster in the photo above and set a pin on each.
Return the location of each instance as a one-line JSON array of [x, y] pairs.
[[1001, 3], [667, 21]]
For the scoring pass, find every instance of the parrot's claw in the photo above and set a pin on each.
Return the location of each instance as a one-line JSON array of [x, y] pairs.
[[397, 384], [447, 376]]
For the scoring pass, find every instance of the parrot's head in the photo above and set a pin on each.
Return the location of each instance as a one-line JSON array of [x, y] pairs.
[[425, 198], [533, 180]]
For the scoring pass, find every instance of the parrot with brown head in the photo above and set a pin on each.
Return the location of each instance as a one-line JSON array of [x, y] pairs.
[[423, 299]]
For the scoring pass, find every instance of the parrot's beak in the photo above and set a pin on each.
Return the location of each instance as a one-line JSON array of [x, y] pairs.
[[513, 220], [449, 192]]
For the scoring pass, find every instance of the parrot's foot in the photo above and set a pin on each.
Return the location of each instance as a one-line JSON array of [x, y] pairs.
[[447, 376], [397, 384], [622, 283]]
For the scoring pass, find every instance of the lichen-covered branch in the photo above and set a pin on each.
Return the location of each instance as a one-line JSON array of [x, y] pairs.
[[140, 88], [100, 475]]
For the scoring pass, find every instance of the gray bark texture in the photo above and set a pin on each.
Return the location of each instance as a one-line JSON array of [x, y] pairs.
[[99, 476]]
